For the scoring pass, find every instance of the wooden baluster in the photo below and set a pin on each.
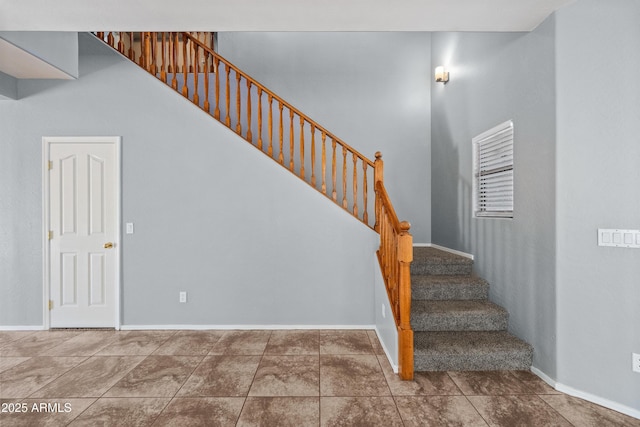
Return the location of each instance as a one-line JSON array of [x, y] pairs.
[[100, 35], [185, 68], [313, 155], [334, 194], [174, 65], [249, 135], [260, 118], [216, 113], [120, 43], [301, 147], [291, 140], [196, 60], [270, 149], [405, 334], [207, 107], [378, 176], [281, 136], [355, 185], [141, 58], [163, 69], [324, 163], [154, 55], [238, 107], [365, 215], [228, 96], [132, 55], [344, 177], [110, 39]]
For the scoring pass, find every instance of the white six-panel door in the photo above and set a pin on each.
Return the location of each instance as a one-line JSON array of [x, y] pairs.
[[83, 231]]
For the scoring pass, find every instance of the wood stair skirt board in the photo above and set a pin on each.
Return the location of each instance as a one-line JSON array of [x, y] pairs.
[[455, 327]]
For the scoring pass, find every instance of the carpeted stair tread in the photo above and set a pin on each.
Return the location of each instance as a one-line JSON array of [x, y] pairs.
[[470, 351], [457, 287], [458, 316], [436, 262]]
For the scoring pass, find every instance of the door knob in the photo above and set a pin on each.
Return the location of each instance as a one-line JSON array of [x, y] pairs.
[[108, 245]]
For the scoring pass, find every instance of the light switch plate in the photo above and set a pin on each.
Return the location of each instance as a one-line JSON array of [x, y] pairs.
[[129, 228], [619, 238]]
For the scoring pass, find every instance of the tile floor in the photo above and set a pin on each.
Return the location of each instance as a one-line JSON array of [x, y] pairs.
[[258, 378]]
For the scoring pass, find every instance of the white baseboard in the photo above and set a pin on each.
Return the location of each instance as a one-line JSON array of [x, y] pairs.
[[386, 353], [239, 327], [623, 409], [598, 400], [442, 248], [22, 328]]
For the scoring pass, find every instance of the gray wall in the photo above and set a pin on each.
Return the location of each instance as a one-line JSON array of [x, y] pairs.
[[8, 86], [370, 89], [59, 49], [251, 243], [496, 77], [598, 178]]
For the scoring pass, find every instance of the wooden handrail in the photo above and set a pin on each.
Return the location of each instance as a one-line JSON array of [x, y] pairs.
[[395, 256], [184, 61]]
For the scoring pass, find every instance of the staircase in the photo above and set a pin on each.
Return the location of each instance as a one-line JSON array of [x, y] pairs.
[[455, 327]]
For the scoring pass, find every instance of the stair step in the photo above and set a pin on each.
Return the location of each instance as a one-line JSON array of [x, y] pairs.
[[458, 316], [436, 262], [449, 288], [470, 351]]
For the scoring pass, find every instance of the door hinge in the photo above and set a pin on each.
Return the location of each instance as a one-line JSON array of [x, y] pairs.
[[50, 304], [49, 165], [49, 234]]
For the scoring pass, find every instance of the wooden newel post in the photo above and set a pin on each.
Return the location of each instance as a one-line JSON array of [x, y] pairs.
[[378, 176], [405, 334]]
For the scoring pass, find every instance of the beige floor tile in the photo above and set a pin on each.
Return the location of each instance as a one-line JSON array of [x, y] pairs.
[[117, 411], [10, 362], [43, 412], [136, 343], [517, 410], [534, 383], [352, 375], [345, 342], [92, 378], [86, 343], [287, 376], [24, 379], [424, 383], [375, 342], [438, 411], [280, 412], [201, 412], [490, 383], [155, 376], [246, 343], [359, 411], [8, 336], [293, 343], [35, 344], [221, 376], [587, 414], [190, 343]]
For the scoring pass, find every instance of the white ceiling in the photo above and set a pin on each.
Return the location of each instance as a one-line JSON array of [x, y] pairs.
[[275, 15], [23, 65]]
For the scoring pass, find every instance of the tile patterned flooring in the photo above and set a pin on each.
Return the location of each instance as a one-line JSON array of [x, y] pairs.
[[258, 378]]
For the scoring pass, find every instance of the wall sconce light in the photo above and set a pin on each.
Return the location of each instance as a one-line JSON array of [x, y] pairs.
[[442, 76]]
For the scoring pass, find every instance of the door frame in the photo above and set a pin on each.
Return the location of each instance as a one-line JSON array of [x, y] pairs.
[[116, 141]]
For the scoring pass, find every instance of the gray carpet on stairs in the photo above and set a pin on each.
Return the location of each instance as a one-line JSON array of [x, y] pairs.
[[455, 326]]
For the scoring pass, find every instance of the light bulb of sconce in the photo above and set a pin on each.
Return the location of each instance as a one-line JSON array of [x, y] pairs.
[[441, 75]]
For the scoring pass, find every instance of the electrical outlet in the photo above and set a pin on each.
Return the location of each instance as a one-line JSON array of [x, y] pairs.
[[384, 312], [183, 296], [636, 362]]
